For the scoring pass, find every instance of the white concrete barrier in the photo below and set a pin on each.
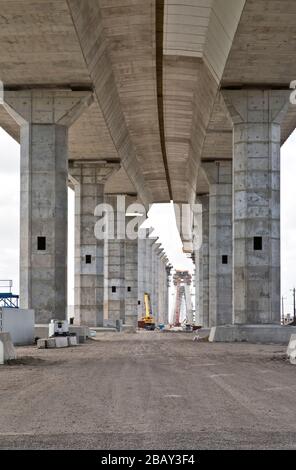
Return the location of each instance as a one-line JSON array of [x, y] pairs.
[[291, 350], [8, 352]]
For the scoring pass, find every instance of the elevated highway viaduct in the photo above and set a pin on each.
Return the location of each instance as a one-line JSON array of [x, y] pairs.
[[183, 100]]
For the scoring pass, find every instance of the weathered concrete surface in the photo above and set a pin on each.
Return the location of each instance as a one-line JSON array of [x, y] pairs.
[[88, 179], [131, 282], [8, 351], [19, 323], [257, 117], [203, 264], [219, 174], [114, 263], [292, 345], [44, 118], [263, 334], [245, 395]]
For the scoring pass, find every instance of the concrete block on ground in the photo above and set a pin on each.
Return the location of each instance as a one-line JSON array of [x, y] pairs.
[[101, 329], [82, 332], [264, 334], [72, 340], [19, 323], [291, 349], [129, 329], [7, 351], [51, 343], [42, 343], [61, 341]]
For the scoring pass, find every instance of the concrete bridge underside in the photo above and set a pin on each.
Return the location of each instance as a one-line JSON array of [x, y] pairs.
[[183, 100]]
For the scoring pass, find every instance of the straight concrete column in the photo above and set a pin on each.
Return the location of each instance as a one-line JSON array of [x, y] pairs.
[[131, 282], [204, 263], [149, 266], [142, 243], [44, 117], [167, 286], [257, 117], [114, 259], [89, 181], [161, 288], [219, 176], [155, 280]]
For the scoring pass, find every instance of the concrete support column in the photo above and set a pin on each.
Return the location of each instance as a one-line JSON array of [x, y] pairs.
[[203, 255], [219, 176], [131, 282], [168, 269], [155, 280], [89, 181], [142, 243], [44, 117], [114, 260], [257, 117], [161, 288]]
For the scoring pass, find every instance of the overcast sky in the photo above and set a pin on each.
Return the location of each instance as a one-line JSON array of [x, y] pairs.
[[161, 217]]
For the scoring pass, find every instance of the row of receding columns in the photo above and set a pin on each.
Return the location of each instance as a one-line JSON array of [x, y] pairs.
[[238, 262], [107, 269]]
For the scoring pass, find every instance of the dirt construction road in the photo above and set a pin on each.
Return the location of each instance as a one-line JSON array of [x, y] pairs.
[[149, 391]]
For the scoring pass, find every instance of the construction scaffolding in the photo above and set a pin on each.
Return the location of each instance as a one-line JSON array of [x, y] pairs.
[[7, 298]]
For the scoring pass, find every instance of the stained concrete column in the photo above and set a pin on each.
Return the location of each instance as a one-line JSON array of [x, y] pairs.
[[131, 281], [203, 255], [257, 117], [142, 243], [219, 175], [114, 260], [155, 279], [161, 288], [168, 269], [88, 179], [44, 117]]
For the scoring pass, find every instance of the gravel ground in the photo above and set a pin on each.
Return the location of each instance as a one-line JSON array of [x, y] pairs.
[[149, 391]]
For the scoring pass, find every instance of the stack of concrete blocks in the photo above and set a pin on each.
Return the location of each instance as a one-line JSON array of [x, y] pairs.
[[57, 342], [82, 332]]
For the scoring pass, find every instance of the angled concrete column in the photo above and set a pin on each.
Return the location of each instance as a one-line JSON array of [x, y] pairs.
[[257, 116], [114, 259], [219, 175], [203, 313], [44, 117], [88, 179]]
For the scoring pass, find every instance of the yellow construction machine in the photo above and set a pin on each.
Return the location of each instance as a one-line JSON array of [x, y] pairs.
[[147, 322]]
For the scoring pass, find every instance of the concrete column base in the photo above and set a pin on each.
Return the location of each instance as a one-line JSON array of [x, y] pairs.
[[264, 334]]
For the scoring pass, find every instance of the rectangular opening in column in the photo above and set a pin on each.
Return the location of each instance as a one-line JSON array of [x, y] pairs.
[[258, 243], [41, 243], [129, 289], [87, 259], [113, 288], [224, 259]]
